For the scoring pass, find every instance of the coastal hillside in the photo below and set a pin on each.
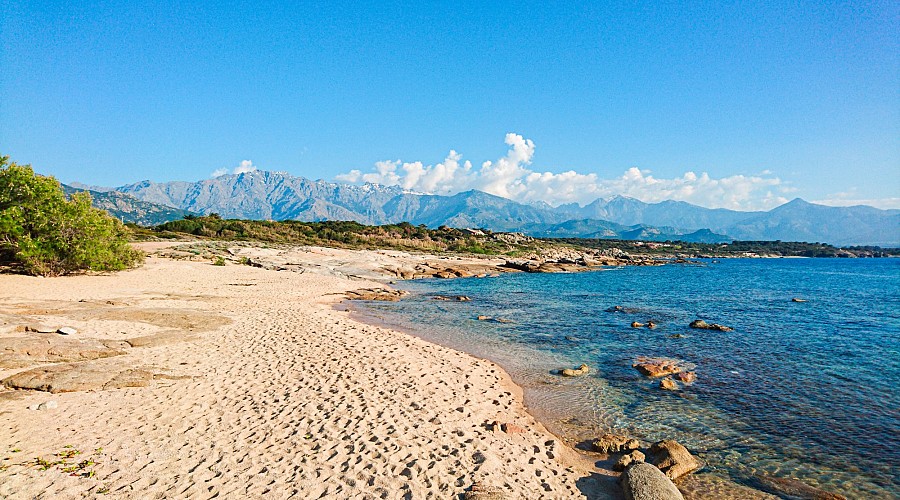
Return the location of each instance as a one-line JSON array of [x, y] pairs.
[[127, 208], [281, 196]]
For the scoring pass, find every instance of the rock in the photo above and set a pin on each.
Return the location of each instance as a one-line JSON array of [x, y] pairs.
[[668, 384], [21, 352], [84, 376], [797, 299], [795, 489], [651, 325], [484, 318], [628, 459], [635, 324], [47, 405], [67, 330], [657, 367], [511, 428], [703, 325], [458, 298], [614, 443], [480, 491], [643, 481], [41, 329], [676, 336], [375, 294], [577, 372], [686, 377], [673, 459]]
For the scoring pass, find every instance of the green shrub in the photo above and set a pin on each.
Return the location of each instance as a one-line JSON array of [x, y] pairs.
[[49, 235], [219, 261]]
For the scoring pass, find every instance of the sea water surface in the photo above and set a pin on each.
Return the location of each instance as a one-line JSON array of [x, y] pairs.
[[805, 390]]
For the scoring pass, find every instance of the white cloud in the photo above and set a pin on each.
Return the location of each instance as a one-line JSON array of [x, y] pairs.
[[852, 197], [244, 167], [511, 177]]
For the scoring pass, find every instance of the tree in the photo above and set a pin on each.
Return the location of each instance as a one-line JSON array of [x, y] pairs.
[[49, 235]]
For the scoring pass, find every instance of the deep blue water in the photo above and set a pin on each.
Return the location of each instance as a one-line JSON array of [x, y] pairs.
[[806, 390]]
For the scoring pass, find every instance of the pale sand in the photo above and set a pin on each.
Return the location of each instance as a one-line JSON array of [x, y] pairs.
[[290, 397]]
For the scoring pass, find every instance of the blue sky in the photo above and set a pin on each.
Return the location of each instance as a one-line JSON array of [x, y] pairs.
[[772, 100]]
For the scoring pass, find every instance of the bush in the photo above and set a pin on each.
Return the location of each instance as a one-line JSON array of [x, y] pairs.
[[49, 235]]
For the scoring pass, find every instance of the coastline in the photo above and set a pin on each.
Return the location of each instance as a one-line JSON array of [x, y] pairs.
[[229, 407]]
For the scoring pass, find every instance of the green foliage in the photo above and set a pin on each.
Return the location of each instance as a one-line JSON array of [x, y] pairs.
[[49, 235], [219, 261]]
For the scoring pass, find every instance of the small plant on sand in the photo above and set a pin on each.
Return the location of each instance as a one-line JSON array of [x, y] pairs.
[[219, 261]]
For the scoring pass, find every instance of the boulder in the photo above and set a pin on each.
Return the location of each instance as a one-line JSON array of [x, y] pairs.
[[703, 325], [635, 324], [651, 325], [643, 481], [668, 384], [657, 367], [798, 299], [673, 459], [627, 459], [484, 318], [686, 377], [576, 372], [511, 428], [614, 443]]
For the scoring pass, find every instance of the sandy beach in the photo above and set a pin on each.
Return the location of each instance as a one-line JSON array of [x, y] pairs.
[[231, 381]]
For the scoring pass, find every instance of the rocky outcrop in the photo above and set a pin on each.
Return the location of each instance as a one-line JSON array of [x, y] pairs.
[[703, 325], [657, 367], [614, 443], [643, 481], [673, 459], [71, 377], [19, 352], [376, 294]]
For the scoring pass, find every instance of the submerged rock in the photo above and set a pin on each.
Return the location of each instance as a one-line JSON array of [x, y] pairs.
[[668, 384], [686, 377], [703, 325], [795, 489], [673, 459], [614, 443], [643, 481]]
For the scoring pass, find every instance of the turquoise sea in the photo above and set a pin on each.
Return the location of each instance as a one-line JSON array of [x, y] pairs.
[[804, 390]]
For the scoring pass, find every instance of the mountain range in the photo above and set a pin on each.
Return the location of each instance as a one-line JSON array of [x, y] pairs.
[[281, 196]]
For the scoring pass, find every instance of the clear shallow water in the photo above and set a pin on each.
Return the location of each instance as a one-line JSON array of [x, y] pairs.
[[803, 390]]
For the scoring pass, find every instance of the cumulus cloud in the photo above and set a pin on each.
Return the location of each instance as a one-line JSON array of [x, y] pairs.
[[511, 177], [244, 167]]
